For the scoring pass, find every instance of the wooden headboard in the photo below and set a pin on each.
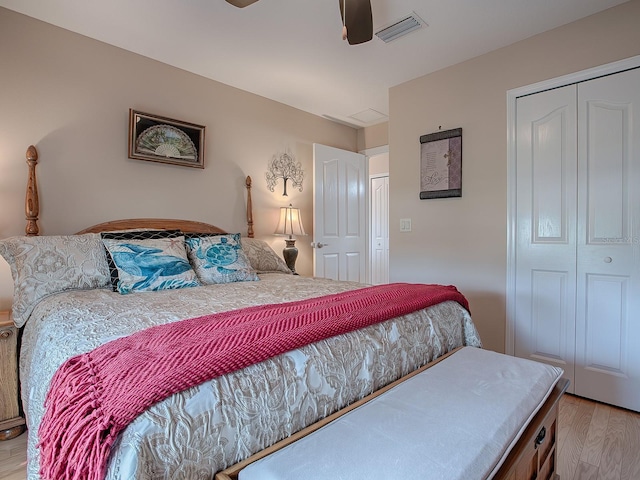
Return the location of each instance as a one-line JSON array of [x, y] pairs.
[[187, 226], [32, 210]]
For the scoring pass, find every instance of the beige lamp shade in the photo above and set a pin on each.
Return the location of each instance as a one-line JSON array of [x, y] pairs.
[[290, 222]]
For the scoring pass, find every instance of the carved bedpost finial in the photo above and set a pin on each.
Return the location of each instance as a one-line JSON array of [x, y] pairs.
[[249, 208], [32, 204]]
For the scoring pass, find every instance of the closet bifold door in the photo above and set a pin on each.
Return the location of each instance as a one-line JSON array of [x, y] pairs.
[[608, 240], [545, 278]]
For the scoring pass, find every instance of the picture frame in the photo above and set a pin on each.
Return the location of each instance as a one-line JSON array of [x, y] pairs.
[[164, 140], [441, 164]]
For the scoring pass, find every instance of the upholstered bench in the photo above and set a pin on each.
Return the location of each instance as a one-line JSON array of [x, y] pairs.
[[475, 414]]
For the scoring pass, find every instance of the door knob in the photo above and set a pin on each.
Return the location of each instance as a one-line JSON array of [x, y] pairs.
[[608, 259], [319, 244]]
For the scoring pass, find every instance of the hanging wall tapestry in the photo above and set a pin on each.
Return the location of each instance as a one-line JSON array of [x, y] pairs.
[[441, 164]]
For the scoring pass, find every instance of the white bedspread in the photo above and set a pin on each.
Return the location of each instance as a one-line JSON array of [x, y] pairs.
[[205, 429], [455, 421]]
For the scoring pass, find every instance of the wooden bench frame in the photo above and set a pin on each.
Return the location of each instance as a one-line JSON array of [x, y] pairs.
[[533, 456]]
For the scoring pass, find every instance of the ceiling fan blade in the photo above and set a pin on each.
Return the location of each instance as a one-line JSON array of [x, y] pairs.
[[359, 21], [241, 3]]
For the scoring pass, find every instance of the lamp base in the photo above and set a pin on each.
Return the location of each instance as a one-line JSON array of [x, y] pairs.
[[290, 254]]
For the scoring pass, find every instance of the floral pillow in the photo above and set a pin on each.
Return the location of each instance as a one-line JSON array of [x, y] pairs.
[[262, 257], [42, 266], [219, 259], [150, 264]]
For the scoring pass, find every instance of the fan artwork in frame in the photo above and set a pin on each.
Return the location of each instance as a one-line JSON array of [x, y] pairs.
[[164, 140], [441, 164]]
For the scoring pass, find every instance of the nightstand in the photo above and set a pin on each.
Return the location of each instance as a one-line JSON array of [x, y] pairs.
[[11, 422]]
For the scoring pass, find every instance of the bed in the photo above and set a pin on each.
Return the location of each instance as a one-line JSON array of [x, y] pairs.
[[66, 306]]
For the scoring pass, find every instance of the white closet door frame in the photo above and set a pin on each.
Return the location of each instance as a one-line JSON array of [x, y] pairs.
[[512, 96]]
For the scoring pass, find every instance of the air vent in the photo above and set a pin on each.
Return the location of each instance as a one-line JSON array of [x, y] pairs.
[[400, 28]]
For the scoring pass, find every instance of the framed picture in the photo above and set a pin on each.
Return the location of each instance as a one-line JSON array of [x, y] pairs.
[[441, 164], [161, 139]]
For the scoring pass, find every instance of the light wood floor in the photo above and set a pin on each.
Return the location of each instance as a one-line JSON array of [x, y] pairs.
[[13, 458], [595, 442]]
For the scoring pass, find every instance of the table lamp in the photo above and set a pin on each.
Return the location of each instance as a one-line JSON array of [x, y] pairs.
[[290, 224]]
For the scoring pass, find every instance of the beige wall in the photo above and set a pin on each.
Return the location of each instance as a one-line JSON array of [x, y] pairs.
[[70, 96], [374, 136], [462, 241], [379, 164]]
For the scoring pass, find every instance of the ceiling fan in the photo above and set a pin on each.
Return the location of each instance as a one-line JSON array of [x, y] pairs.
[[357, 21]]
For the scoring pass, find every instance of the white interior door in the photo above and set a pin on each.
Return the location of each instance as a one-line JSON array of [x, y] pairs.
[[379, 247], [608, 269], [339, 214], [545, 286], [577, 273]]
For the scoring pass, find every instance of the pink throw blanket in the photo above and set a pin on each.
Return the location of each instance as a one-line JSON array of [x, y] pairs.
[[94, 396]]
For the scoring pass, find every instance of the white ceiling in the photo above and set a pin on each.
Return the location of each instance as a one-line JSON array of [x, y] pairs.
[[291, 51]]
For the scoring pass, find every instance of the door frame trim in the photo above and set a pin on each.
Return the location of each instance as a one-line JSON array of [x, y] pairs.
[[512, 96], [370, 226], [368, 153]]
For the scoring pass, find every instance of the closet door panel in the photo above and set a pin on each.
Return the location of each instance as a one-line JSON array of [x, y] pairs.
[[608, 240], [606, 324], [607, 165], [546, 232]]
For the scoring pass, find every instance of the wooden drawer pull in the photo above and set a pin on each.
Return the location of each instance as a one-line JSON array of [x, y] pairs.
[[540, 437], [5, 334]]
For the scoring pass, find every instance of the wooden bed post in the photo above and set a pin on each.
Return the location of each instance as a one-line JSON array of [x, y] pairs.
[[249, 208], [32, 204]]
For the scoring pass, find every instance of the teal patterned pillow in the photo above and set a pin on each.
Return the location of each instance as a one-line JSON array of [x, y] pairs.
[[151, 264], [219, 259], [133, 235]]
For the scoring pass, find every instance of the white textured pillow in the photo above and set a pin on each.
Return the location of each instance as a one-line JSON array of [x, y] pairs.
[[262, 257], [42, 266]]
